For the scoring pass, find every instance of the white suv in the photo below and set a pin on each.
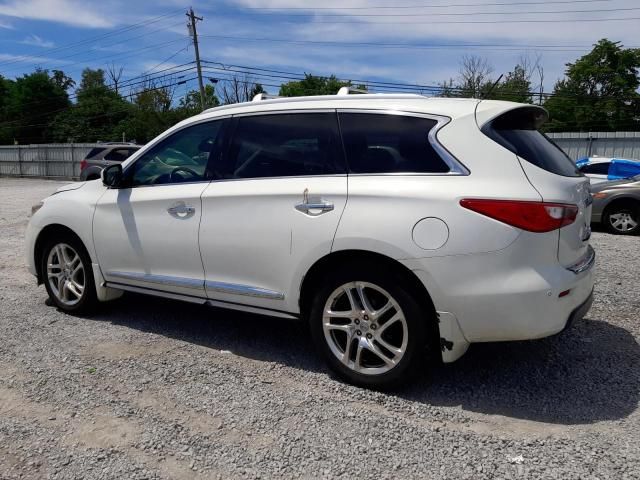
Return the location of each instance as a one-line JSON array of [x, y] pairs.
[[395, 225]]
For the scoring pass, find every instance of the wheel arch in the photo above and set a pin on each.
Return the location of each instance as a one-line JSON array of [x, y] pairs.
[[620, 199], [45, 234], [341, 258]]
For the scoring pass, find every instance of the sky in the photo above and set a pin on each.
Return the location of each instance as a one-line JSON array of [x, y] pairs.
[[408, 41]]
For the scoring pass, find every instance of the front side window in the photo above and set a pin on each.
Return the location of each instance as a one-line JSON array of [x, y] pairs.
[[381, 143], [181, 157], [282, 145]]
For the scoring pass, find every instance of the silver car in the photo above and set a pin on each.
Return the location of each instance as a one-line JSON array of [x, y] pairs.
[[617, 205]]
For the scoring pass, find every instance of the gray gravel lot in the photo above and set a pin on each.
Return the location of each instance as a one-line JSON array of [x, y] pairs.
[[158, 389]]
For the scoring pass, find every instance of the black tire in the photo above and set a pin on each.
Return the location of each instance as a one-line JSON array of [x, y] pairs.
[[88, 299], [631, 209], [414, 357]]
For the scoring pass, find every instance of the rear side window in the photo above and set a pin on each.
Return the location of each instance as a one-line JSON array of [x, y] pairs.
[[283, 145], [380, 143], [596, 168], [517, 130]]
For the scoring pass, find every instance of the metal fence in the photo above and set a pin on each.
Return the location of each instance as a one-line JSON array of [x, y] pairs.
[[46, 160], [63, 159], [604, 144]]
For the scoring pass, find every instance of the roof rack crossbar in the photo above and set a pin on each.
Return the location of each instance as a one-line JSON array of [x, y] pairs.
[[263, 96], [350, 90]]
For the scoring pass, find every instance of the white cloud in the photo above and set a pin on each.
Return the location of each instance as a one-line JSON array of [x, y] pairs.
[[37, 41], [70, 12]]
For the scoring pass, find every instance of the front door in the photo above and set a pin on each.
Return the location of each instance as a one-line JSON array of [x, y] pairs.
[[146, 232], [273, 209]]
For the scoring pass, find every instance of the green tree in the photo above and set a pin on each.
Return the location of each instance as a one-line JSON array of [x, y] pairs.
[[96, 114], [516, 87], [190, 103], [32, 102], [599, 91], [314, 85]]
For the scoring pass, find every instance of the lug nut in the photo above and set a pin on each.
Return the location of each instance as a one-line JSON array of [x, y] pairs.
[[357, 321], [358, 332], [373, 326], [369, 336], [366, 317]]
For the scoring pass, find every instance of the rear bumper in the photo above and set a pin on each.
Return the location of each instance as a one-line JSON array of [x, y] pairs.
[[580, 311], [497, 297]]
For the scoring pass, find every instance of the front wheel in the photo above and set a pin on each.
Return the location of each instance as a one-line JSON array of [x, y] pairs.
[[623, 218], [369, 329], [68, 276]]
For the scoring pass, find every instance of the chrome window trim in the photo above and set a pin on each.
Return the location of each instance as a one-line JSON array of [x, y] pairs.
[[165, 280], [246, 290], [456, 168], [257, 113]]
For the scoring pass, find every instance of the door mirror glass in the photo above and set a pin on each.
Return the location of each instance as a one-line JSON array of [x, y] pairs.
[[112, 175]]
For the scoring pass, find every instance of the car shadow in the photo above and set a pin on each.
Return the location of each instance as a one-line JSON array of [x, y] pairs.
[[587, 374]]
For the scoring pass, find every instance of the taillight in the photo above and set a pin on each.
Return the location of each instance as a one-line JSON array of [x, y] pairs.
[[531, 216], [83, 164]]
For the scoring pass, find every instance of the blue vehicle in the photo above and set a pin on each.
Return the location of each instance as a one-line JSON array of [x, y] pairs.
[[602, 169]]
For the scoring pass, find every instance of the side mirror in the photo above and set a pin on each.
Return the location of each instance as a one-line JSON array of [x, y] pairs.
[[112, 175]]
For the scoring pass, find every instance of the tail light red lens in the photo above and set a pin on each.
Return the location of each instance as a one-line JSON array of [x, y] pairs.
[[83, 164], [531, 216]]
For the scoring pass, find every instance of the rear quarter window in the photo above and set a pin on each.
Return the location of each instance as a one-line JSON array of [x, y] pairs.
[[517, 130], [383, 143]]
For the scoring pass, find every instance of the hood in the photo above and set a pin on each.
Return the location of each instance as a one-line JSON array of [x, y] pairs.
[[70, 186]]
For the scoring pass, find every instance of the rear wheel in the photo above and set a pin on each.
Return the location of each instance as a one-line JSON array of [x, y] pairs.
[[371, 332], [623, 218], [68, 275]]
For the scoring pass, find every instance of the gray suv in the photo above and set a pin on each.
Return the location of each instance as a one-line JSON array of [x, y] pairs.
[[103, 156]]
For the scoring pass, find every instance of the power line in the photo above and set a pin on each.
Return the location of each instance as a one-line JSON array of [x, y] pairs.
[[450, 5], [438, 14], [451, 22], [434, 46], [271, 73], [98, 37], [126, 40]]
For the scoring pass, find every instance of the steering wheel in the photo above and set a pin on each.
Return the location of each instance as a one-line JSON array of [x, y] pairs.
[[182, 169]]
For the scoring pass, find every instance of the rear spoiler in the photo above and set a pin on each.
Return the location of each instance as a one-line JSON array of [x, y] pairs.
[[528, 117]]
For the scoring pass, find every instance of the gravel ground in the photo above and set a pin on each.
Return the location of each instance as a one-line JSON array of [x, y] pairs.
[[159, 389]]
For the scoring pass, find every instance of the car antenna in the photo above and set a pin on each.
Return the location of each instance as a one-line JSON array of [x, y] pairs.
[[493, 85]]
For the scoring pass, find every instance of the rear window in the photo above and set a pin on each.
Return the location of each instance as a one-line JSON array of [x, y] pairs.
[[517, 131], [596, 168], [95, 151]]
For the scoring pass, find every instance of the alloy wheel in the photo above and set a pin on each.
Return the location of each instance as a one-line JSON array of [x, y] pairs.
[[365, 328], [66, 274], [623, 221]]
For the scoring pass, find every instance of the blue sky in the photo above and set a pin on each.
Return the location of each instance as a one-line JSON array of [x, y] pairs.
[[422, 44]]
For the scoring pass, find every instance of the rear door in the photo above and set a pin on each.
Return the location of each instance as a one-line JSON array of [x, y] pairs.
[[273, 209], [550, 171]]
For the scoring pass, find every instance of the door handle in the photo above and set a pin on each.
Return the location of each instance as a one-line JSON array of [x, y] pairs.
[[315, 208], [181, 210]]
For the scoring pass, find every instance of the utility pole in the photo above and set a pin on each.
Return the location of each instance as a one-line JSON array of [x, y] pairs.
[[194, 34]]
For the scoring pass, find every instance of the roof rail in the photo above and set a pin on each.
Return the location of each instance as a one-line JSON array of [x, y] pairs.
[[263, 96], [350, 90]]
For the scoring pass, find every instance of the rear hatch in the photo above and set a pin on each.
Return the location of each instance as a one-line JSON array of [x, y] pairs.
[[549, 170]]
